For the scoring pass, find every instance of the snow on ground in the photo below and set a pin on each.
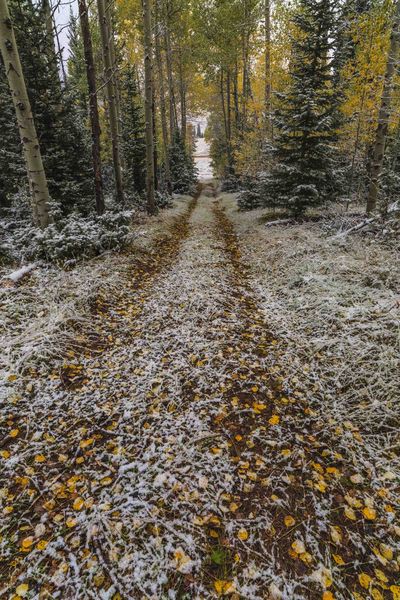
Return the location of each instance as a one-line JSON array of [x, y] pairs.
[[202, 160], [193, 446]]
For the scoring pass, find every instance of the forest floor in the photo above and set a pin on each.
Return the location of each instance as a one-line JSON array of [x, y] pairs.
[[210, 414]]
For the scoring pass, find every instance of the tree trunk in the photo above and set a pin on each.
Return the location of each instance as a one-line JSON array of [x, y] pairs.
[[182, 94], [170, 77], [93, 107], [112, 108], [148, 59], [268, 88], [164, 127], [155, 149], [384, 112], [110, 29], [30, 144]]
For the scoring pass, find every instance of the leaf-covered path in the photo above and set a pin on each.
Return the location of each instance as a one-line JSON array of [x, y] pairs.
[[169, 460]]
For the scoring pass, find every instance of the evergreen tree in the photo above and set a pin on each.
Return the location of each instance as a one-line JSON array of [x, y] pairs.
[[133, 135], [12, 168], [306, 174], [77, 80], [183, 169], [63, 139]]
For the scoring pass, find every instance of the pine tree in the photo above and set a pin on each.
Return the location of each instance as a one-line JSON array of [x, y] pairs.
[[306, 174], [183, 169], [77, 80], [133, 135], [63, 139]]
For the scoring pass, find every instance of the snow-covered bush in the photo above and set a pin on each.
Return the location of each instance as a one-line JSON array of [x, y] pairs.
[[67, 239]]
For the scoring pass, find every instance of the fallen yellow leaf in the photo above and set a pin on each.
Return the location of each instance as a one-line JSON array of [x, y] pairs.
[[78, 503], [223, 587], [289, 521], [27, 542], [14, 432], [71, 522], [39, 458], [298, 547], [22, 589], [274, 420], [243, 534], [369, 513], [365, 580]]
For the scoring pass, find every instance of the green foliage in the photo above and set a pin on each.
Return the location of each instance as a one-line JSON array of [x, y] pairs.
[[133, 132], [307, 172], [183, 170], [63, 138]]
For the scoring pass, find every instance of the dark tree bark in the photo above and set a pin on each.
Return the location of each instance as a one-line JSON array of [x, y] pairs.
[[93, 106], [112, 107], [148, 65], [384, 112]]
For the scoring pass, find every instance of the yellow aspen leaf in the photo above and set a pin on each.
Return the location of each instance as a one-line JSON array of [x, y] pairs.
[[78, 503], [22, 589], [233, 507], [70, 522], [328, 596], [11, 378], [289, 521], [274, 420], [49, 504], [376, 594], [306, 558], [13, 433], [243, 534], [106, 481], [320, 486], [27, 542], [258, 407], [42, 544], [8, 509], [350, 514], [238, 437], [336, 534], [381, 576], [4, 454], [365, 580], [369, 513], [333, 471], [223, 587], [395, 589], [254, 388], [286, 452], [338, 559], [39, 458], [86, 443], [298, 547], [386, 551]]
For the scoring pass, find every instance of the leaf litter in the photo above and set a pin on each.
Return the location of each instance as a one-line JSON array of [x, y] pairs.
[[183, 456]]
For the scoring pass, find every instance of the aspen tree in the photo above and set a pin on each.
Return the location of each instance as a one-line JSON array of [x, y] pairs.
[[40, 197]]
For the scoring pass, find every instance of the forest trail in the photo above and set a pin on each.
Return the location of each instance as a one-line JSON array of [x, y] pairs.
[[171, 463]]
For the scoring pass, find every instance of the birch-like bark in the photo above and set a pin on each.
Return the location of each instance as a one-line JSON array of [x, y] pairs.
[[40, 197], [93, 106], [170, 77], [148, 60], [384, 112], [112, 107]]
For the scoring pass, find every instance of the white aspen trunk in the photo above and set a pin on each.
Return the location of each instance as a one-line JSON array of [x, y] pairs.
[[30, 144], [148, 67], [384, 112]]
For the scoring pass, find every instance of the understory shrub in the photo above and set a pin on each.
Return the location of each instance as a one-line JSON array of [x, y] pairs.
[[68, 239]]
